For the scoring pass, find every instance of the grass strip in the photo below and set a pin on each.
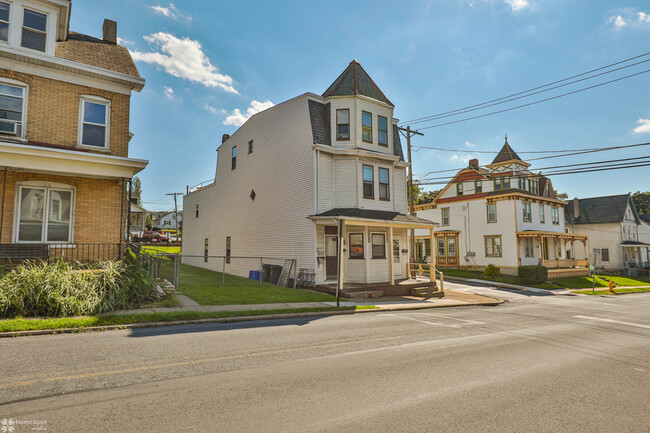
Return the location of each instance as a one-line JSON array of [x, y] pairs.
[[32, 324], [616, 291]]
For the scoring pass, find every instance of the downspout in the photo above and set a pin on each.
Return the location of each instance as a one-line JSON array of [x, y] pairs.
[[2, 211]]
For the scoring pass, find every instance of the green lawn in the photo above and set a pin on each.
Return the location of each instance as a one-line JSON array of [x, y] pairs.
[[41, 323], [606, 292], [204, 286], [161, 249]]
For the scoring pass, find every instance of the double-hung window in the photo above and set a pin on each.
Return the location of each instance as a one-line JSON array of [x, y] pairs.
[[527, 213], [555, 215], [542, 218], [378, 246], [478, 186], [445, 216], [492, 246], [12, 108], [4, 21], [233, 160], [94, 125], [45, 214], [528, 247], [382, 129], [368, 182], [491, 212], [459, 189], [384, 184], [34, 32], [366, 127], [343, 124], [356, 246]]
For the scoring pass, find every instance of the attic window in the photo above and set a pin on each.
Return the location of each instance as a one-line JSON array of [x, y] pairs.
[[4, 21], [252, 195], [34, 30]]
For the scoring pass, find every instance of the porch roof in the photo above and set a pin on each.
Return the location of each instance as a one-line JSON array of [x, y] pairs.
[[634, 244], [545, 234], [374, 217]]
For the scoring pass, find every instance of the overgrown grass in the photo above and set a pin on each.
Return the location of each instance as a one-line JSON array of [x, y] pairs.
[[25, 324], [204, 286]]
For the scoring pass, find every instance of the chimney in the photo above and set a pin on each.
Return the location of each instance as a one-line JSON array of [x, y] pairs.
[[576, 208], [473, 163], [109, 31], [224, 137]]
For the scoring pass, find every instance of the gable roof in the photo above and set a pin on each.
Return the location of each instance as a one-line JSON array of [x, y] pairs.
[[506, 154], [354, 80], [96, 52], [595, 210]]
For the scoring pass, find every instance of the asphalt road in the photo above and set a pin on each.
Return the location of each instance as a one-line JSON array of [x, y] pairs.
[[533, 364]]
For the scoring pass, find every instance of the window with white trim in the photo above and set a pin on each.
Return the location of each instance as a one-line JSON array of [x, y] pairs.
[[34, 31], [94, 122], [541, 214], [44, 214], [555, 215], [343, 124], [528, 217], [444, 212], [4, 21], [378, 245], [12, 107]]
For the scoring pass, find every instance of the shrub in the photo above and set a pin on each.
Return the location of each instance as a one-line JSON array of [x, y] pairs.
[[142, 287], [491, 271], [533, 274]]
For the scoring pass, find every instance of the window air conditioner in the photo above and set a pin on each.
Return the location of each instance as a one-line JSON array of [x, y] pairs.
[[7, 127]]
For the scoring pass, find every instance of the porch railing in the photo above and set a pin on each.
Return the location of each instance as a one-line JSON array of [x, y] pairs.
[[426, 268], [77, 252], [565, 263]]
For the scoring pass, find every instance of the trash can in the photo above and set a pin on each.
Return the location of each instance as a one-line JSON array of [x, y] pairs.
[[254, 274], [266, 272], [274, 273]]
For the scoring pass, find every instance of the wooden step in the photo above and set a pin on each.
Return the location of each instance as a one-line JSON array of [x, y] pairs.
[[427, 292]]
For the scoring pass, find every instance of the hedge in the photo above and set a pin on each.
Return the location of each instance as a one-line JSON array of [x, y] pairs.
[[533, 274]]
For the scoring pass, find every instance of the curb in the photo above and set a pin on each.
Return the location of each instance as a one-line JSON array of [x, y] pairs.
[[233, 319], [507, 286]]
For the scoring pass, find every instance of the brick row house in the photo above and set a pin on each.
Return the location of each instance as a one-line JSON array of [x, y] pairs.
[[64, 130], [501, 214]]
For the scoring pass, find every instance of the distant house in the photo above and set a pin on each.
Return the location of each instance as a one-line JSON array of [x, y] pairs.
[[64, 130], [299, 177], [168, 221], [618, 236], [138, 216], [501, 214]]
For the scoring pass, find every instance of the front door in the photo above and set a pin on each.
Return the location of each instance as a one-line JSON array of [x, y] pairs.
[[397, 263], [331, 257]]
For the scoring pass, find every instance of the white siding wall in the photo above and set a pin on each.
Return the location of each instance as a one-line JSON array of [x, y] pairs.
[[345, 181], [281, 171], [326, 189], [356, 106], [601, 236]]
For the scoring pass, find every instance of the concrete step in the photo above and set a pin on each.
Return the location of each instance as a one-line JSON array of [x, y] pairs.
[[427, 292], [364, 294]]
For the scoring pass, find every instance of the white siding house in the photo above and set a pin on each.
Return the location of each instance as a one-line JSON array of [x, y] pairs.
[[293, 174], [501, 214]]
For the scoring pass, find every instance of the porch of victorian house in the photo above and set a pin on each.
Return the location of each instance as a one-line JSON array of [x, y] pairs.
[[558, 267]]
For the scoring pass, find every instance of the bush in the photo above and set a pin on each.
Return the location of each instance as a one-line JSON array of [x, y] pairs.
[[533, 274], [491, 271], [142, 286]]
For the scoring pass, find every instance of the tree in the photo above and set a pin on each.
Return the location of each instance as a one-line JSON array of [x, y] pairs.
[[136, 187], [561, 195], [641, 201], [420, 196], [148, 221]]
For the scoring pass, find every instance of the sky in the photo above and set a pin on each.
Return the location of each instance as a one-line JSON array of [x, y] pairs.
[[209, 65]]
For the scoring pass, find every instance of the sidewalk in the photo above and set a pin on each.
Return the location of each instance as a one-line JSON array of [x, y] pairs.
[[510, 286]]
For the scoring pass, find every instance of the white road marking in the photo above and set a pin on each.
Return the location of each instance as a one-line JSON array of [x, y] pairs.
[[638, 325], [444, 325]]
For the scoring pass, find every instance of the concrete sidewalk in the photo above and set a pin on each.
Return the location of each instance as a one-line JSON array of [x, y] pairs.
[[509, 286]]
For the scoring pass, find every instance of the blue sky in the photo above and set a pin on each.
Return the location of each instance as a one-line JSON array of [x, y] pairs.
[[210, 64]]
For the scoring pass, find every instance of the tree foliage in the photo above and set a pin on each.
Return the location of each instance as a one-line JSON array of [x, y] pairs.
[[137, 189], [561, 195], [420, 196], [641, 201]]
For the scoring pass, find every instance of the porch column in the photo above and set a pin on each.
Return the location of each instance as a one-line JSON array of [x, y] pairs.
[[518, 251], [540, 240], [391, 263], [432, 263], [585, 243]]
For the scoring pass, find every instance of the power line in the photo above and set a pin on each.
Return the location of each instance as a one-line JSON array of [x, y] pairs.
[[528, 95], [535, 102], [530, 90], [494, 151]]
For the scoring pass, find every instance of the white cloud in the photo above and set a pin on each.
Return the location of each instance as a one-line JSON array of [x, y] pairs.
[[461, 158], [644, 18], [121, 41], [210, 108], [517, 5], [169, 92], [237, 118], [184, 58], [618, 21], [644, 126], [171, 11], [468, 144]]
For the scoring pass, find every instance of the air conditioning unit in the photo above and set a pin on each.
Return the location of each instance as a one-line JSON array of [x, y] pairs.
[[8, 127]]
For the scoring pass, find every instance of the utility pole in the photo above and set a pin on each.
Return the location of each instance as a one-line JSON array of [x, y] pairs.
[[408, 136], [175, 194]]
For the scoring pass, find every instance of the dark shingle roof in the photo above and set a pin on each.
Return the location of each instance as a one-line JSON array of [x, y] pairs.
[[319, 114], [397, 144], [355, 81], [96, 52], [353, 212], [609, 209], [506, 154], [645, 217]]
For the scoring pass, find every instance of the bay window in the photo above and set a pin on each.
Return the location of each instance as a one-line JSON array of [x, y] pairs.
[[356, 246], [343, 124], [378, 246]]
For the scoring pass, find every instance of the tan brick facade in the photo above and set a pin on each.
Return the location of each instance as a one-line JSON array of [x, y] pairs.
[[97, 210], [53, 112]]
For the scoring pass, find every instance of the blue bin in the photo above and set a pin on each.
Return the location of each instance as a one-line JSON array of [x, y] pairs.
[[254, 275]]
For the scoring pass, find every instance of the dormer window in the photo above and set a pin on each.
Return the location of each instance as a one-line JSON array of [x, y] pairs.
[[382, 128], [34, 34], [4, 22], [343, 124], [366, 119]]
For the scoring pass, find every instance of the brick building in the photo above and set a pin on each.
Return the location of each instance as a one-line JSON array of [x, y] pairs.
[[64, 130]]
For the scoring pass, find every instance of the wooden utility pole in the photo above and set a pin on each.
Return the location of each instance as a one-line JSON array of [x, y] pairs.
[[175, 194], [408, 136]]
